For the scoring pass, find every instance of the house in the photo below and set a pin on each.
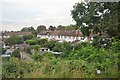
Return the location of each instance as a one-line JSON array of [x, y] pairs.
[[7, 34], [63, 35], [44, 49]]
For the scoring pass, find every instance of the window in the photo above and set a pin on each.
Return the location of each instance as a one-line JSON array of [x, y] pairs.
[[58, 36], [82, 38], [69, 37], [64, 36]]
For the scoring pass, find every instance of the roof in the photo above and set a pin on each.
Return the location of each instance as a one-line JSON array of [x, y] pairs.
[[62, 33], [15, 33]]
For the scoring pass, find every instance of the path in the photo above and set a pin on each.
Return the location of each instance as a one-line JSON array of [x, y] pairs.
[[26, 56]]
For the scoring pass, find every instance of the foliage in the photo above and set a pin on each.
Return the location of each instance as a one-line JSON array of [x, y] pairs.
[[37, 57], [41, 28], [37, 47], [80, 63], [58, 47], [69, 27], [52, 28], [27, 37], [16, 53], [14, 40], [31, 42], [42, 42], [17, 68], [29, 29], [50, 44], [101, 42], [97, 17]]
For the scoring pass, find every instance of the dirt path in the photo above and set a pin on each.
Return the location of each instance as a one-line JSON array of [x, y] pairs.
[[26, 56]]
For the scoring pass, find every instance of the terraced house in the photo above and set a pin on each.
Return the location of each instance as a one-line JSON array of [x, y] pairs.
[[63, 35], [15, 33]]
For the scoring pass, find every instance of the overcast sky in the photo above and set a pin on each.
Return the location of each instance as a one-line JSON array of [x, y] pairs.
[[16, 14]]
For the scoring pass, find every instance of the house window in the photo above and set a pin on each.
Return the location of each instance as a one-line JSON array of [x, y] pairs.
[[82, 38], [62, 37], [58, 36], [65, 37]]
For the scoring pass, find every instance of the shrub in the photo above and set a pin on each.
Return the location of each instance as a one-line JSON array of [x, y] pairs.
[[42, 42], [17, 68], [37, 47], [16, 53], [27, 37], [31, 42], [37, 57], [50, 44]]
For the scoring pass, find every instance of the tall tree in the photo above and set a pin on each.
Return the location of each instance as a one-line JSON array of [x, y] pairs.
[[14, 40], [41, 28], [29, 29], [97, 16], [52, 28], [60, 27]]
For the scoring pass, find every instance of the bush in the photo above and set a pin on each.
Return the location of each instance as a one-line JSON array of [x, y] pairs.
[[50, 44], [37, 57], [17, 68], [79, 63], [42, 42], [37, 47], [31, 42], [14, 40], [16, 53], [28, 37]]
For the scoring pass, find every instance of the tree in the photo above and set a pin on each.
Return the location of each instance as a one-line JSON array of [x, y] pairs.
[[14, 40], [97, 17], [37, 57], [71, 27], [58, 47], [42, 42], [60, 27], [27, 37], [52, 28], [50, 44], [29, 29], [41, 28]]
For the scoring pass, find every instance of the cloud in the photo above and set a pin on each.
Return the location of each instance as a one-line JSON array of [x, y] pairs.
[[19, 13]]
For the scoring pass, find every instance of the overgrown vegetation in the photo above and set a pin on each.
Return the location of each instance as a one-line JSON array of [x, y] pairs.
[[16, 53], [82, 62]]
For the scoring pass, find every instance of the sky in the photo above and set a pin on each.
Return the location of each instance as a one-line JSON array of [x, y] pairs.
[[16, 14]]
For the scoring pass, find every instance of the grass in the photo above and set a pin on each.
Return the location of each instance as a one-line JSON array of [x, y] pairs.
[[0, 67]]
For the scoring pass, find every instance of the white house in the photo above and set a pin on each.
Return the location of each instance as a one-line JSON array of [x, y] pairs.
[[66, 35]]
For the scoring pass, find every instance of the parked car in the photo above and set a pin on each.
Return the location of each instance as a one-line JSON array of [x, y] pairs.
[[57, 54], [7, 54]]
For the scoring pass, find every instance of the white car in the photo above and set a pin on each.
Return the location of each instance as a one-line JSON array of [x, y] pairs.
[[7, 54]]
